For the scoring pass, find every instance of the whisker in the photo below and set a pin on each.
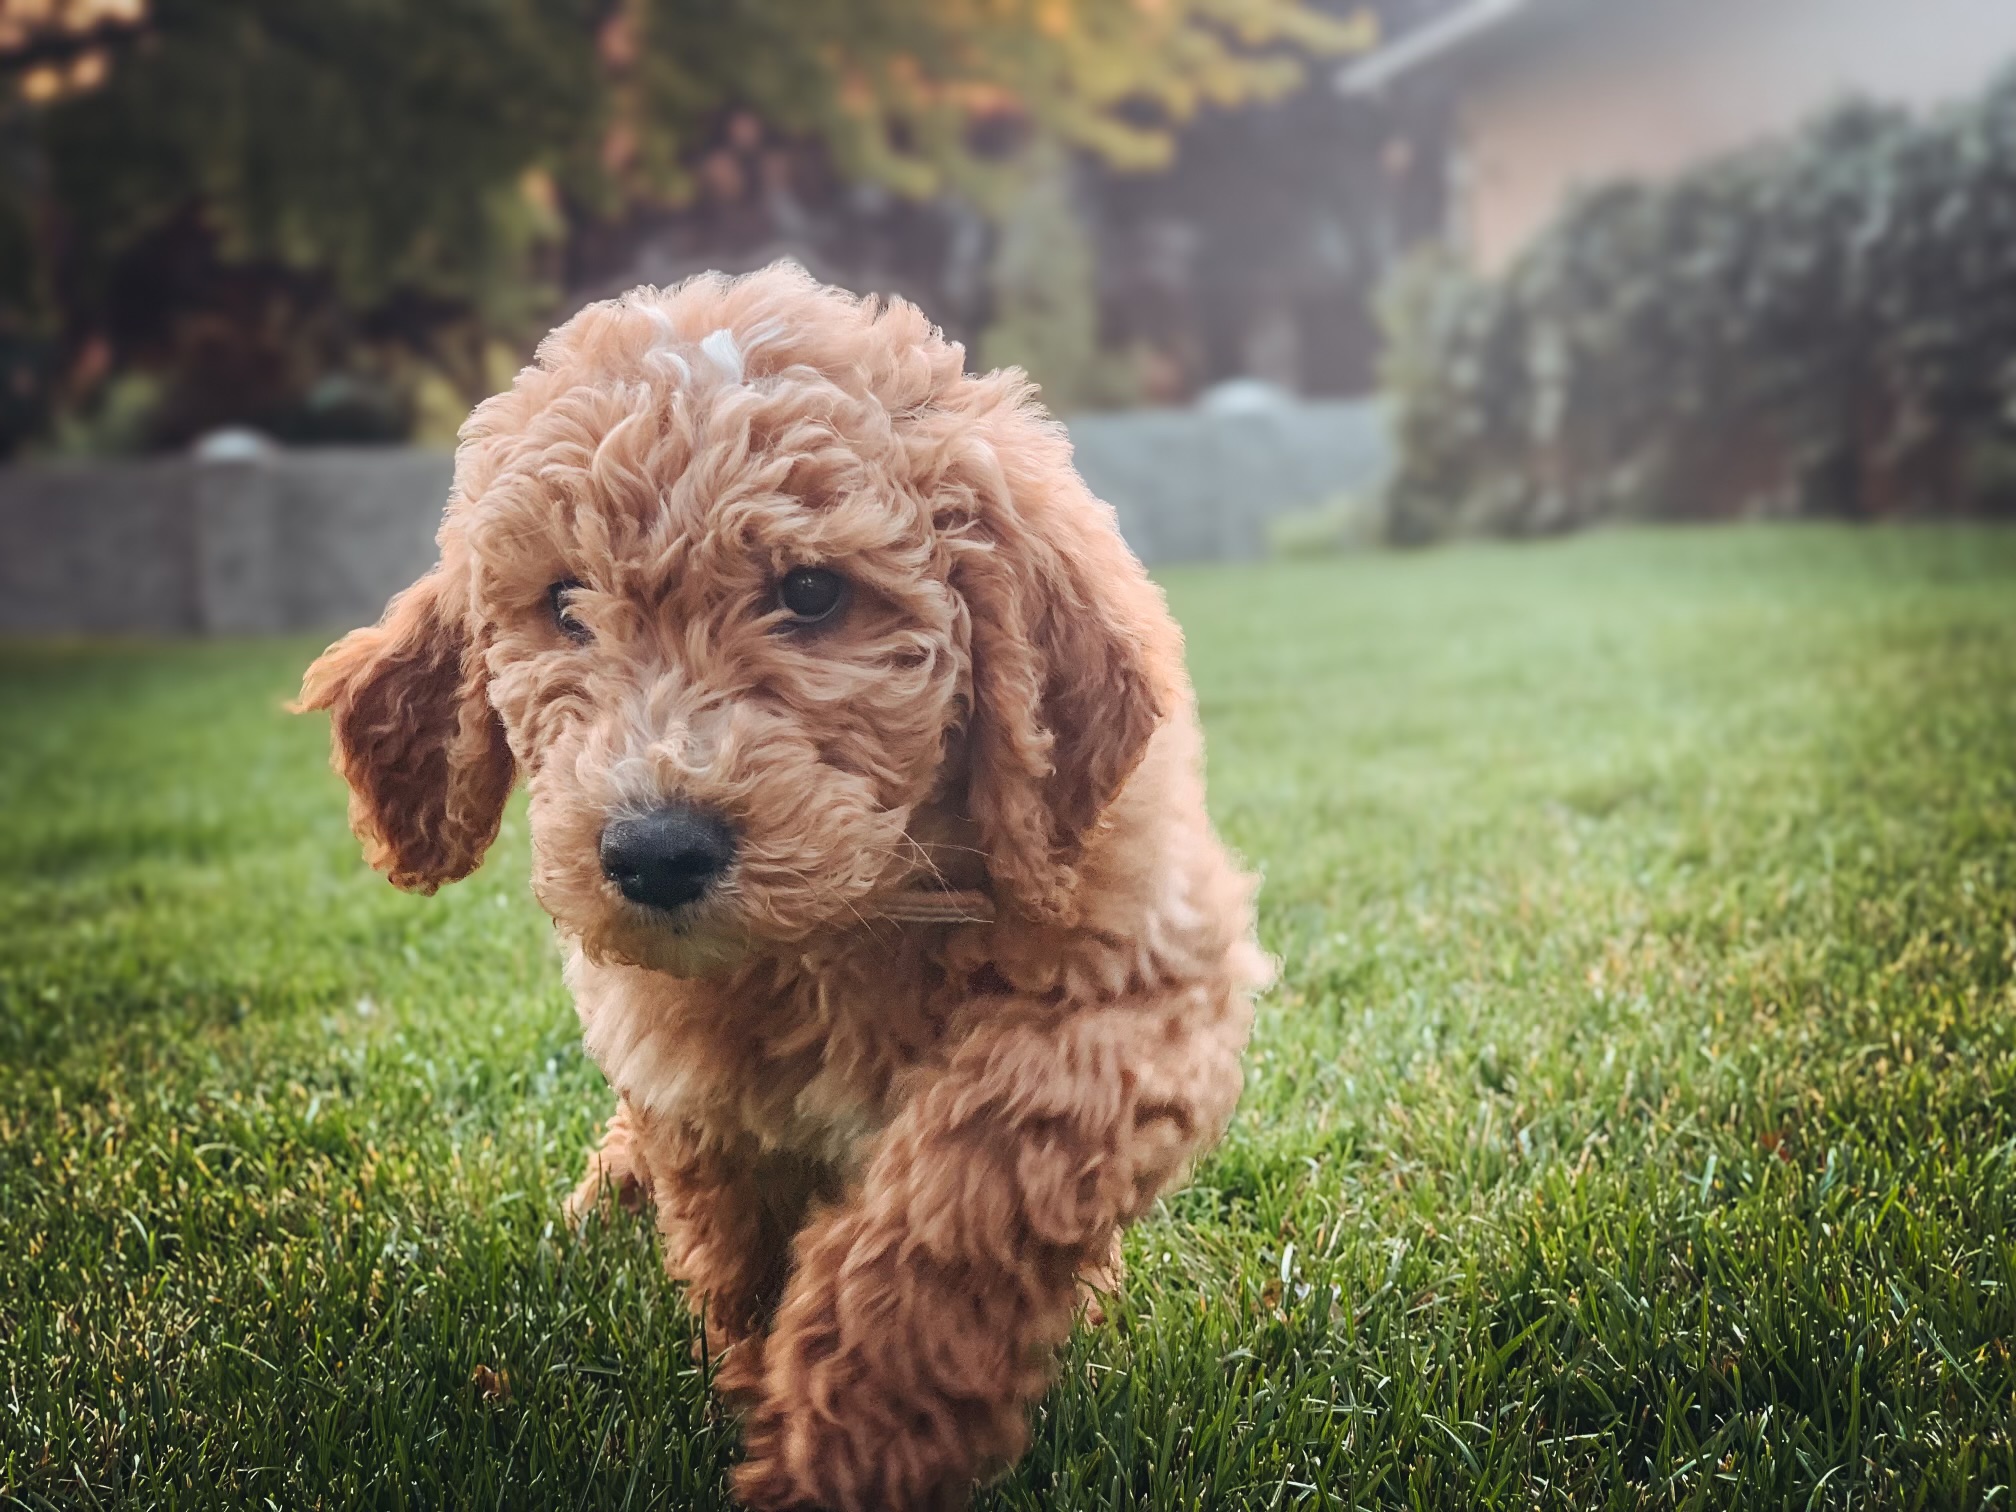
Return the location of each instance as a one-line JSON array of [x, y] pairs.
[[867, 922]]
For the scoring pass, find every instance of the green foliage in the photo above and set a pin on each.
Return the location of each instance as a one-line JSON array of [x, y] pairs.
[[378, 144], [1632, 1125], [896, 86], [264, 198], [262, 194], [1820, 326], [1343, 522]]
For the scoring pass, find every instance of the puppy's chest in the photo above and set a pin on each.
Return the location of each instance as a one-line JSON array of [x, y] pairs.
[[813, 1073], [831, 1120]]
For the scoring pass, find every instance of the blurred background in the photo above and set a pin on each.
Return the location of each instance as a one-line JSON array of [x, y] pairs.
[[1633, 1121], [1301, 275]]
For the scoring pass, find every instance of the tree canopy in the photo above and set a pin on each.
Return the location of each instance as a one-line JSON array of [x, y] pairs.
[[236, 199]]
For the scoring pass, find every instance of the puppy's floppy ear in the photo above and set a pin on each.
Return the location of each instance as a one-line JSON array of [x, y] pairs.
[[415, 737], [1068, 637]]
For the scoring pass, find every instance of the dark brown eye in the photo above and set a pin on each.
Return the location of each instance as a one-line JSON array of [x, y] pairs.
[[811, 594], [559, 596]]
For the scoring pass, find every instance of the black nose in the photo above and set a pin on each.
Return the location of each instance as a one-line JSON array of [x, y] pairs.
[[668, 857]]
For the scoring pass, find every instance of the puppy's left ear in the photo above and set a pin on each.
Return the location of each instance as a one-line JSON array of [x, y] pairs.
[[1071, 647], [415, 737]]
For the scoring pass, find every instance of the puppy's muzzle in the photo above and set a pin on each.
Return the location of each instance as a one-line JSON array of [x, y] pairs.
[[666, 858]]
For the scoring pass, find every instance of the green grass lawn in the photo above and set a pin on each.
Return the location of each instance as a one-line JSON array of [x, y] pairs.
[[1634, 1123]]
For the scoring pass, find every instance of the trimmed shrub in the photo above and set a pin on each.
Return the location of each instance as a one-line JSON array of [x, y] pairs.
[[1825, 325]]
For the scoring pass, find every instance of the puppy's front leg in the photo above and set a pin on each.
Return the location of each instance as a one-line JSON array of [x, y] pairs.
[[923, 1315], [616, 1171], [725, 1212]]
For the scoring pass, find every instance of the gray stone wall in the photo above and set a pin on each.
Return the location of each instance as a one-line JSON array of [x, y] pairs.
[[107, 550], [319, 539], [308, 540], [1193, 486]]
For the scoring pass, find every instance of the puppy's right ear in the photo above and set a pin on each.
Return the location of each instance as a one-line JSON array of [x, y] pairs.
[[415, 737], [1074, 659]]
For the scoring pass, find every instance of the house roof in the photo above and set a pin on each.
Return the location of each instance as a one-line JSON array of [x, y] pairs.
[[1453, 35]]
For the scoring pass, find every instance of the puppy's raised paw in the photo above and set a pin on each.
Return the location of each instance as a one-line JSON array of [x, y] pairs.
[[737, 1369], [602, 1187], [766, 1484]]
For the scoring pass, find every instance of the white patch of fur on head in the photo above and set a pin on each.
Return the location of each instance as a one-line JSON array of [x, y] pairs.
[[721, 350], [663, 354]]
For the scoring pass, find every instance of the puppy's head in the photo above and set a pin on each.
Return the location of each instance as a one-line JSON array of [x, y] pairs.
[[753, 585]]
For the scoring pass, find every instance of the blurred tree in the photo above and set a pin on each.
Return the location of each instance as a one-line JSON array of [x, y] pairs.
[[1045, 305], [260, 197], [280, 211]]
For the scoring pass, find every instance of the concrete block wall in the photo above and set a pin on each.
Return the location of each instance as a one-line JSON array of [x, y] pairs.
[[1191, 486], [307, 540], [319, 539]]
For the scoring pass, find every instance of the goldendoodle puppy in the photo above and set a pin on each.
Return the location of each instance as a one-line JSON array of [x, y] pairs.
[[866, 794]]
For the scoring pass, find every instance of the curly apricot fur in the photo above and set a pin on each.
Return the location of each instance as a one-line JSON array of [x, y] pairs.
[[881, 1154]]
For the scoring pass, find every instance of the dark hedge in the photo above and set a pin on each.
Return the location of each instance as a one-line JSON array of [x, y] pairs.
[[1824, 325]]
